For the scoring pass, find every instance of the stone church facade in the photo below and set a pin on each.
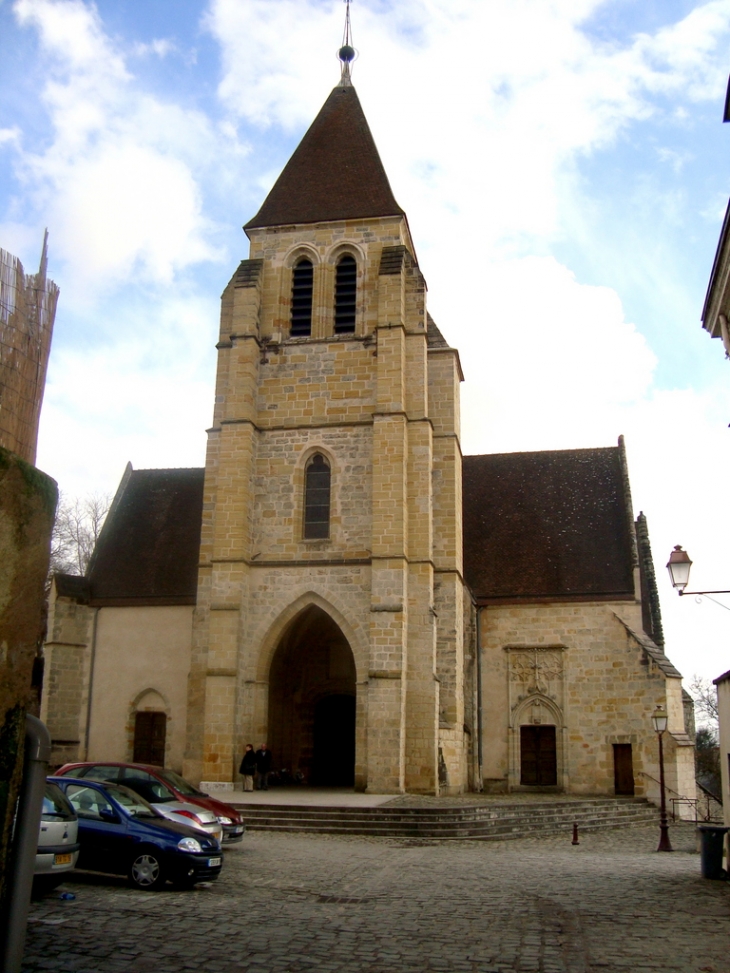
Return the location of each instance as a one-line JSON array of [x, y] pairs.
[[325, 586]]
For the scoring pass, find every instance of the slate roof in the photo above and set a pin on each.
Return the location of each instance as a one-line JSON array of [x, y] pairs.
[[652, 650], [72, 586], [335, 172], [434, 338], [148, 549], [547, 525], [543, 525]]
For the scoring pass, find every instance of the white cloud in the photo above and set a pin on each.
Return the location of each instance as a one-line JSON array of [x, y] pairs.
[[547, 364], [146, 401], [160, 47], [10, 135], [120, 181]]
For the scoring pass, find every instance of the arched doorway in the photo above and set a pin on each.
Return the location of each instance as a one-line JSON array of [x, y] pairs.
[[312, 701]]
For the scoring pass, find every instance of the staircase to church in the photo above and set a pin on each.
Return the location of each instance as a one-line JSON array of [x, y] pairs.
[[482, 822]]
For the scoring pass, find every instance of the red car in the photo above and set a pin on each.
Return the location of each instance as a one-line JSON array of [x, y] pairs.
[[168, 786]]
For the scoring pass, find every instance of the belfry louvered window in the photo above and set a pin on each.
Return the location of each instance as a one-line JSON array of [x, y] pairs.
[[301, 299], [345, 294], [317, 498]]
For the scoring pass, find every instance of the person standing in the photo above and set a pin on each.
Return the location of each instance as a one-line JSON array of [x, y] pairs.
[[248, 767], [263, 766]]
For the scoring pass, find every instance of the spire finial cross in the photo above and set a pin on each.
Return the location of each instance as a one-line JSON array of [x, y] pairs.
[[346, 53]]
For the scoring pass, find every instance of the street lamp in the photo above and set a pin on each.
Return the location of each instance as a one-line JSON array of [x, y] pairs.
[[659, 719], [678, 566]]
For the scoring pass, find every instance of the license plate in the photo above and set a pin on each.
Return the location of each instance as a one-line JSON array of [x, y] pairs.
[[62, 859], [236, 831], [213, 862]]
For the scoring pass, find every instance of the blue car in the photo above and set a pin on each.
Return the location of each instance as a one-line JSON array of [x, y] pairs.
[[120, 833]]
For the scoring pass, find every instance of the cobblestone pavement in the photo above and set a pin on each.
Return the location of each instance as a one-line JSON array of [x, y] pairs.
[[288, 903]]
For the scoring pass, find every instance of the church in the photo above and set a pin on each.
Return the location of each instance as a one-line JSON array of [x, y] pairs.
[[339, 581]]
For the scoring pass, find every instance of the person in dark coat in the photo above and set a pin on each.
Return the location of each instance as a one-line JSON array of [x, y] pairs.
[[263, 766], [248, 767]]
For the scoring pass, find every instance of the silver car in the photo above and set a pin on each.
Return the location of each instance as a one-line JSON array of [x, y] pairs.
[[164, 802], [58, 846]]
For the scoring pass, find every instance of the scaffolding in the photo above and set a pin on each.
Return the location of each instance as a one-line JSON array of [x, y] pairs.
[[27, 312]]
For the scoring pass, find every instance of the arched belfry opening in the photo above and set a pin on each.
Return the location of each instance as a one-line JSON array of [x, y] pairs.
[[312, 701]]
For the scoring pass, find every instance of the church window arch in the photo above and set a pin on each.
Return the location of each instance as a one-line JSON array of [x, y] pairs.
[[301, 298], [317, 485], [345, 294]]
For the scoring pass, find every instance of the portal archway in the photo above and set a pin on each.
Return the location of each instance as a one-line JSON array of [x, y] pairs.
[[312, 691]]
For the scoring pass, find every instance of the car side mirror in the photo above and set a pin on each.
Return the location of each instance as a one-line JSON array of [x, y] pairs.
[[106, 814]]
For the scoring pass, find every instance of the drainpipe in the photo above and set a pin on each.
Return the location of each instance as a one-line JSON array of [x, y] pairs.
[[91, 684], [25, 843], [479, 701]]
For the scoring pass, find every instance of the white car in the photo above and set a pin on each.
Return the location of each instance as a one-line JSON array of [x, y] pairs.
[[58, 846]]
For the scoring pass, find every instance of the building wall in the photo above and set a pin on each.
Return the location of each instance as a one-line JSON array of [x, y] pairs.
[[723, 710], [66, 676], [27, 312], [135, 658], [141, 662], [576, 666]]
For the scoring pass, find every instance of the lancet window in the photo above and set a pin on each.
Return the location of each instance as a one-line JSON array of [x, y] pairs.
[[301, 298], [345, 294], [317, 498]]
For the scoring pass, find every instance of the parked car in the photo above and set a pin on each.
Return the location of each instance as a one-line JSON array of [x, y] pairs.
[[156, 793], [120, 833], [58, 846], [131, 775], [163, 800]]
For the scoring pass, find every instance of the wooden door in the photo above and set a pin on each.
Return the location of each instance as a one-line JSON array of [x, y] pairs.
[[623, 769], [149, 738], [538, 756]]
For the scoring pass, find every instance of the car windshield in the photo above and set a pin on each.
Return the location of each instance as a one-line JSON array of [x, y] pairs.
[[153, 791], [179, 783], [56, 805], [132, 803]]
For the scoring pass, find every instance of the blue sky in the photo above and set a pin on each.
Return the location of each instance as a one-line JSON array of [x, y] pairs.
[[563, 165]]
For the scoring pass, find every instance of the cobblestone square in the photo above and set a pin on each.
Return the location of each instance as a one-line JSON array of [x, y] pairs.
[[291, 902]]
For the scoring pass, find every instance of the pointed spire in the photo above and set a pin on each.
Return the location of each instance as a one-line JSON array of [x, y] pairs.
[[335, 172]]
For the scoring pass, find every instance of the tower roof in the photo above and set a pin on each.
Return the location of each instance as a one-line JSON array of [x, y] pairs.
[[335, 172]]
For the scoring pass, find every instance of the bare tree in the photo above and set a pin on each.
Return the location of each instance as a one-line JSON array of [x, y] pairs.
[[704, 694], [78, 524]]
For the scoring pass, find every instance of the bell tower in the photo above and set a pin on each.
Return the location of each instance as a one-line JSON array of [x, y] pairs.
[[331, 562]]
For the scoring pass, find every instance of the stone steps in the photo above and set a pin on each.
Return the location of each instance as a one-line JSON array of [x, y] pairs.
[[495, 821]]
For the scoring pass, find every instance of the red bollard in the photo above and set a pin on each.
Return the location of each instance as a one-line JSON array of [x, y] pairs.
[[575, 834]]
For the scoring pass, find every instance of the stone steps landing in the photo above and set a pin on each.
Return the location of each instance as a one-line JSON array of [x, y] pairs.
[[483, 821]]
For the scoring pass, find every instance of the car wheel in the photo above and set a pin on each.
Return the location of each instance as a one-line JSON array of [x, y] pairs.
[[147, 871], [43, 884]]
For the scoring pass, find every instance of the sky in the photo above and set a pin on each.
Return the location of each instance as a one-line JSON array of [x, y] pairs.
[[564, 168]]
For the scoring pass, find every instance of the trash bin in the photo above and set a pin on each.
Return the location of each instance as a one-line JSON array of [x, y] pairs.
[[712, 838]]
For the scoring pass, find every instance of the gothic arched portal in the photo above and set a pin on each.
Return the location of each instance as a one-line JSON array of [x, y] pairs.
[[312, 701]]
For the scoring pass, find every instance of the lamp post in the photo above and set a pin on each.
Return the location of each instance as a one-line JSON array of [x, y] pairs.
[[659, 719], [678, 566]]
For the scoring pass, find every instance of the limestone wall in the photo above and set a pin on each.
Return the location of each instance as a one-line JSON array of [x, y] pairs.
[[577, 667], [363, 400]]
